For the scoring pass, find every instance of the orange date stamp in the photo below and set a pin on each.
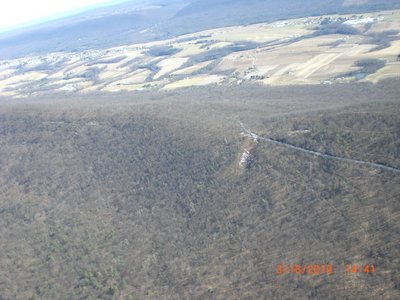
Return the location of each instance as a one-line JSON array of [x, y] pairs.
[[322, 269], [309, 269], [367, 269]]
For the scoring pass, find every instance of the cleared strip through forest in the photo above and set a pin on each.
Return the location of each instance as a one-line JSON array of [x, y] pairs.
[[316, 153]]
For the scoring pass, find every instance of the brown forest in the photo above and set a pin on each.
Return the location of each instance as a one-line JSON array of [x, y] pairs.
[[141, 196]]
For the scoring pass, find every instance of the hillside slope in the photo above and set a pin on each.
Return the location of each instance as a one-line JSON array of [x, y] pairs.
[[142, 196]]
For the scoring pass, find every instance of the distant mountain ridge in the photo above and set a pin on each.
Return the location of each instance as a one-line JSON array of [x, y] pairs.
[[271, 10], [133, 22]]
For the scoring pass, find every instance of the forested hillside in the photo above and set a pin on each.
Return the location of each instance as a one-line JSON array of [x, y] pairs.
[[142, 196]]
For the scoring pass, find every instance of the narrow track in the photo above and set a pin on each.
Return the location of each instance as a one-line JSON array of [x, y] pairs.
[[320, 154]]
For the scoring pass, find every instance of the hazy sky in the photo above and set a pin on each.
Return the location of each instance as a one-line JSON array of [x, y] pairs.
[[16, 12]]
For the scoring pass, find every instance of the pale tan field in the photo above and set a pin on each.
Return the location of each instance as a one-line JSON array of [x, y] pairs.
[[191, 69], [112, 71], [5, 73], [188, 49], [315, 62], [219, 45], [133, 87], [256, 33], [389, 71], [68, 81], [194, 81], [130, 55], [23, 78], [75, 71], [388, 53], [69, 66], [133, 78], [8, 93], [170, 64]]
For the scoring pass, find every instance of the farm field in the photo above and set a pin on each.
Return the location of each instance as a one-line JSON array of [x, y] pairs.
[[314, 50]]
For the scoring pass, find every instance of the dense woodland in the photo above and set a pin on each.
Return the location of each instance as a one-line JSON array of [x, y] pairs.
[[140, 195]]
